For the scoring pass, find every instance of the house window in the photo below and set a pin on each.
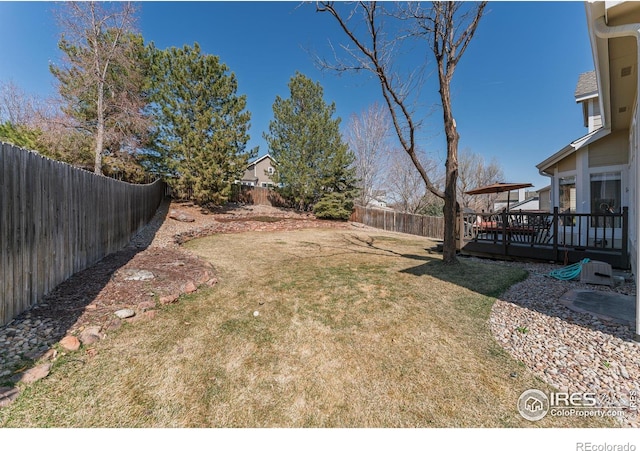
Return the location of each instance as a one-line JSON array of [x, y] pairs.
[[270, 170], [606, 198], [567, 190]]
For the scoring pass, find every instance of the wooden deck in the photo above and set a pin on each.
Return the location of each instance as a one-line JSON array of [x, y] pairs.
[[559, 237]]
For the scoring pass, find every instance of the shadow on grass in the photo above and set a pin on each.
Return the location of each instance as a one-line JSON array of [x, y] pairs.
[[65, 304], [493, 280], [477, 277]]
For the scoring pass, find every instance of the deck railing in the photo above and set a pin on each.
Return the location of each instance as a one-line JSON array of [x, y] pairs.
[[555, 236]]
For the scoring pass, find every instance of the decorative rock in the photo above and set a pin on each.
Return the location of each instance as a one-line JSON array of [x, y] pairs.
[[70, 343], [8, 395], [623, 372], [125, 313], [138, 274], [180, 216], [149, 314], [189, 287], [90, 335], [114, 324], [36, 373], [51, 354], [146, 305], [170, 299]]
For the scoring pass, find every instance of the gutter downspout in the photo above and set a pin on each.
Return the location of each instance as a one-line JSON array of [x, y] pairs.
[[603, 31]]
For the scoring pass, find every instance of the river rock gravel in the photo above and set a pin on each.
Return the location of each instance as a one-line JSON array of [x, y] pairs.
[[574, 352]]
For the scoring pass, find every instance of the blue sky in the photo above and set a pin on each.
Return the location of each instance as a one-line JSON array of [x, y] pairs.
[[513, 90]]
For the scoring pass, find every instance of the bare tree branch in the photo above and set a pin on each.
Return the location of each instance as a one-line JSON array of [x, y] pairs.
[[448, 28], [376, 58]]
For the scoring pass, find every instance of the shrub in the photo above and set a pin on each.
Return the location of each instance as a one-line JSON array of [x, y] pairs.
[[333, 206]]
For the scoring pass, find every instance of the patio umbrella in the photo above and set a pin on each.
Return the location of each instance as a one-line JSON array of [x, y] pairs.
[[500, 188]]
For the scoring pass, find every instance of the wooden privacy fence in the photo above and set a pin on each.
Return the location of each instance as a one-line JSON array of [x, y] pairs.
[[56, 220], [257, 195], [427, 226]]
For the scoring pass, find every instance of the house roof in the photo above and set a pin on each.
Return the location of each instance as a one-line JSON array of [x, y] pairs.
[[258, 160], [587, 87], [585, 140], [524, 202]]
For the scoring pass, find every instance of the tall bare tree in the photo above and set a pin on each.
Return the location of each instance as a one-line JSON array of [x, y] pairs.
[[407, 192], [16, 106], [473, 173], [100, 76], [447, 28], [367, 135]]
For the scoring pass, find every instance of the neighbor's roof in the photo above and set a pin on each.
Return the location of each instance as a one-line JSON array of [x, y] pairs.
[[587, 86], [258, 160]]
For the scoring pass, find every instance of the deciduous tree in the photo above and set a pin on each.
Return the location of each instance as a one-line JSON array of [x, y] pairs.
[[473, 173], [406, 188], [368, 135], [101, 76], [447, 28]]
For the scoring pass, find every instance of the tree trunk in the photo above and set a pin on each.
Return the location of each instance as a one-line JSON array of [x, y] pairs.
[[451, 167], [99, 131]]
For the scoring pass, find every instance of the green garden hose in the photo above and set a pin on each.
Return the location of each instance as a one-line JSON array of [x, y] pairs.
[[569, 272]]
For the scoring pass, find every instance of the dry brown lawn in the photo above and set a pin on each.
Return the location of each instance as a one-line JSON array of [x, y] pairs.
[[354, 329]]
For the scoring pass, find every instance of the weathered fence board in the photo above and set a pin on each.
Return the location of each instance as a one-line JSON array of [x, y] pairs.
[[56, 220], [427, 226], [257, 195]]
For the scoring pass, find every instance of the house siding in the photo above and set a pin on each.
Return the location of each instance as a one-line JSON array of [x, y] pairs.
[[567, 164], [610, 151], [257, 173], [545, 199], [595, 118], [261, 169]]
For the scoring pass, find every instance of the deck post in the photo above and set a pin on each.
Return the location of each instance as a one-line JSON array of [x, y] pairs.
[[555, 233], [625, 237], [460, 230], [505, 217]]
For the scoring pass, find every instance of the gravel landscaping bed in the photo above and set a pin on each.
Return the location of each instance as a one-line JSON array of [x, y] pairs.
[[574, 352]]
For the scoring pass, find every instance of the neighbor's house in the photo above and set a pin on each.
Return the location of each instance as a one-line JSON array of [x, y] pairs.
[[259, 172], [516, 200], [598, 171], [544, 198]]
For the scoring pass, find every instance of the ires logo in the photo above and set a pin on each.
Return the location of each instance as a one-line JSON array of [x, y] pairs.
[[534, 405], [572, 400]]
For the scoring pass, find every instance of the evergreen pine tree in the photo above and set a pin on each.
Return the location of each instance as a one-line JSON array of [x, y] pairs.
[[201, 128], [312, 160]]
